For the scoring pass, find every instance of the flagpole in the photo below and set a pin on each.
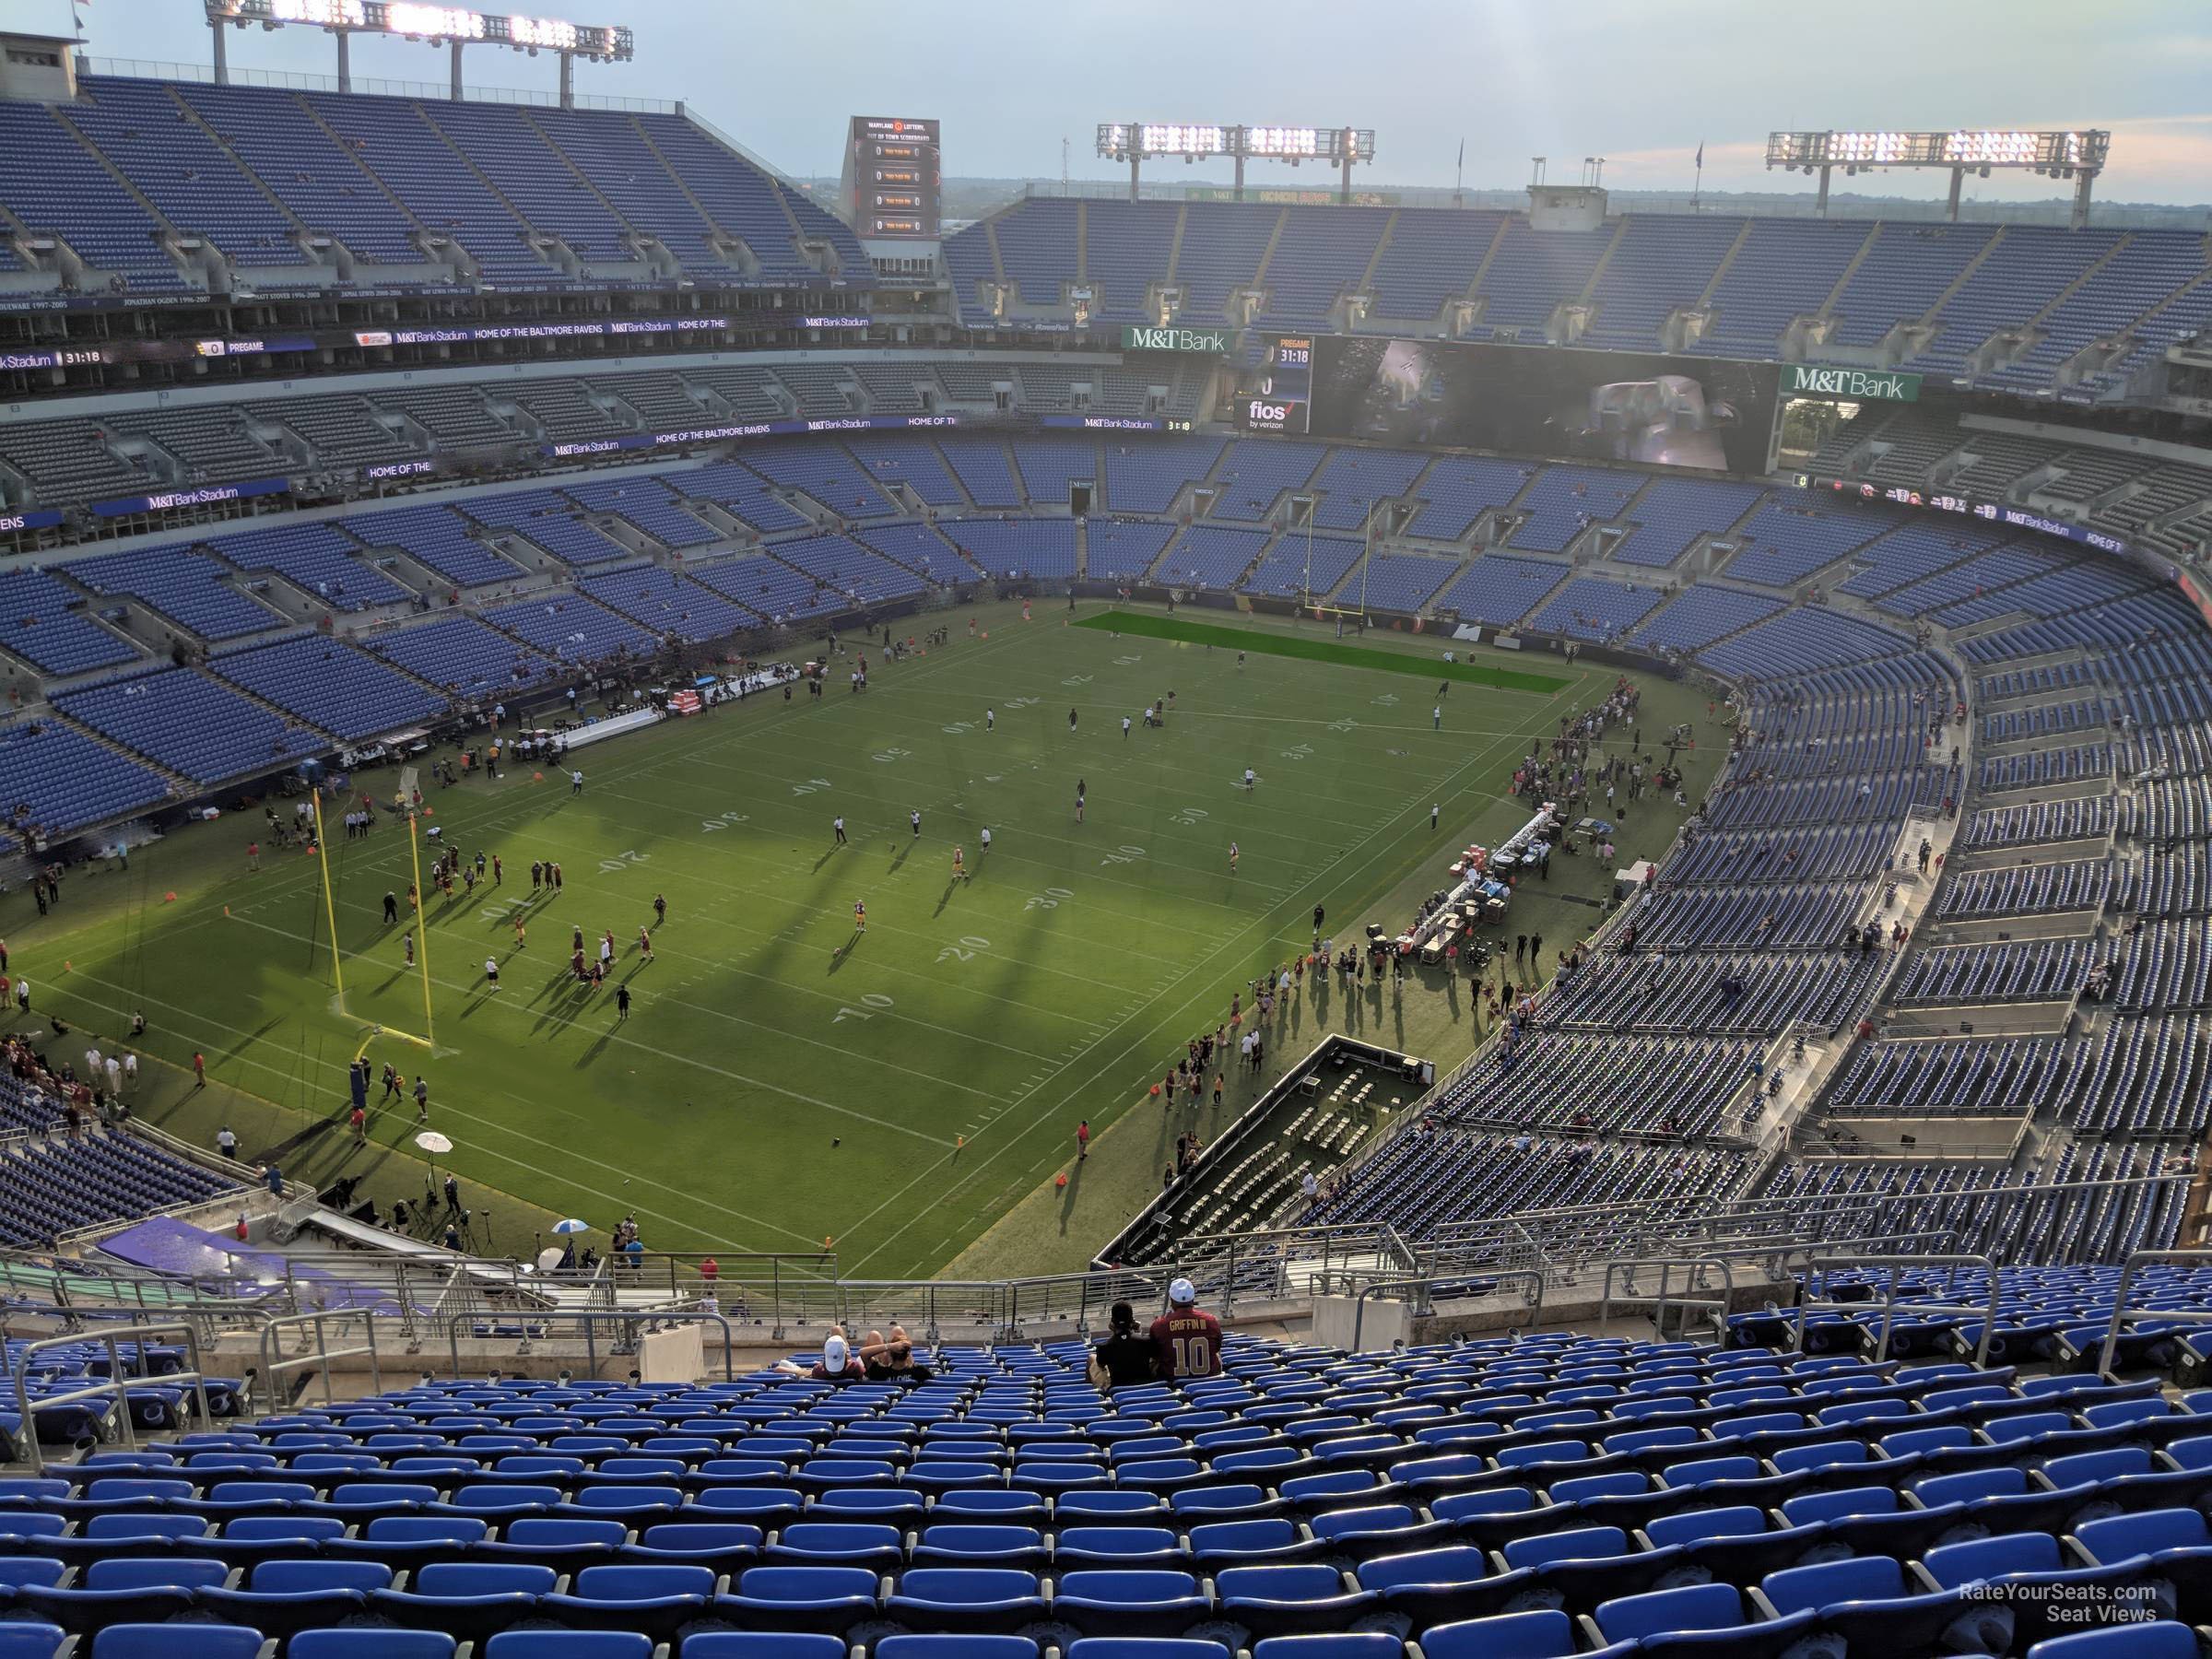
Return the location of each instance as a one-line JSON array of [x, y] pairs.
[[1697, 191], [1459, 175]]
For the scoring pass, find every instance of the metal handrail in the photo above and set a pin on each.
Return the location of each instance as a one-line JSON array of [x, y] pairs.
[[1664, 1299], [1359, 1301], [272, 1367], [592, 1318], [2123, 1314], [117, 1385], [1891, 1264]]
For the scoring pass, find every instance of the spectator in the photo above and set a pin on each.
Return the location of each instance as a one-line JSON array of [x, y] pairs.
[[1185, 1342], [836, 1365], [1124, 1359]]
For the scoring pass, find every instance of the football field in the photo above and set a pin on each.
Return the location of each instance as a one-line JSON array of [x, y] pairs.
[[781, 1078]]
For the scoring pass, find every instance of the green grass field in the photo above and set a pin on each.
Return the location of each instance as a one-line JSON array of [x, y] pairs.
[[910, 1094]]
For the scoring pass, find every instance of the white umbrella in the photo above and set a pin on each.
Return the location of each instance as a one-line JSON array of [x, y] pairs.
[[430, 1141], [572, 1226], [548, 1258]]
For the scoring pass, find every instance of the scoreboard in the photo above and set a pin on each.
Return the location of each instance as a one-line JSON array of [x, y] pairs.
[[1275, 397], [893, 179]]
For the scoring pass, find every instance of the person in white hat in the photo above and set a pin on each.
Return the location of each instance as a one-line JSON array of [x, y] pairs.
[[836, 1365], [1186, 1342]]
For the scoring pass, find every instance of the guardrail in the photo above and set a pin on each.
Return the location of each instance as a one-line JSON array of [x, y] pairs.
[[1548, 1247], [116, 1385], [1666, 1297], [1891, 1264], [314, 1326], [739, 1275], [592, 1319], [2123, 1315]]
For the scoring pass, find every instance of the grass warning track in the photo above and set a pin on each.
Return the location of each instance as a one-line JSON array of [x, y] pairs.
[[1322, 651]]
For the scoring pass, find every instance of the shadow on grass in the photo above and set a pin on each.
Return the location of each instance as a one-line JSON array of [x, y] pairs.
[[1067, 1196], [247, 1040]]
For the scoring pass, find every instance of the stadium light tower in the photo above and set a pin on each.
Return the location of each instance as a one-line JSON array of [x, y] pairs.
[[452, 25], [1138, 141], [2079, 156]]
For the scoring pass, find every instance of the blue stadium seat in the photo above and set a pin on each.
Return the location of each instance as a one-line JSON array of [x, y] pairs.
[[569, 1644], [369, 1644], [761, 1644], [939, 1646], [831, 1599], [2157, 1639], [151, 1641], [976, 1600]]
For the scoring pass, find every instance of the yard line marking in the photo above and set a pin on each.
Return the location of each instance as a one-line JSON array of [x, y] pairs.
[[520, 1011], [1409, 811], [614, 1201]]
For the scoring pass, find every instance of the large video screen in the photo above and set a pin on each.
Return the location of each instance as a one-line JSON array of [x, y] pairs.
[[1601, 405], [1272, 399], [893, 178]]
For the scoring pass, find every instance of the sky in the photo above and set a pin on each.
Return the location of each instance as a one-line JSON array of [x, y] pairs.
[[1641, 82]]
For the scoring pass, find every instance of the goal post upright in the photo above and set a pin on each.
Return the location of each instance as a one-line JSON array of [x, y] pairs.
[[373, 1030], [330, 905], [422, 932]]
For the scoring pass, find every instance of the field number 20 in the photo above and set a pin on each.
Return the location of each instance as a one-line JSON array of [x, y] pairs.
[[964, 951]]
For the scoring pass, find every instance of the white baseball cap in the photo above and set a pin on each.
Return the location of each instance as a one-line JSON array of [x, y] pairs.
[[833, 1353], [1182, 1293]]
